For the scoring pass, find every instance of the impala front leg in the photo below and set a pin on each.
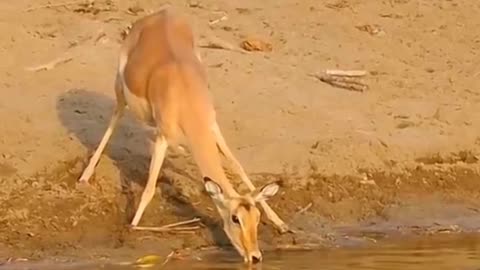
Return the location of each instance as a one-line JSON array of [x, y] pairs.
[[159, 151], [90, 169], [271, 215]]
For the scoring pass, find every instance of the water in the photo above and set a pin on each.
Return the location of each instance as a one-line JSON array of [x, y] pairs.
[[444, 252], [462, 253]]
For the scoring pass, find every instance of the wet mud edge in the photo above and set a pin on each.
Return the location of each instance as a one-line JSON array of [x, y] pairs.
[[50, 215]]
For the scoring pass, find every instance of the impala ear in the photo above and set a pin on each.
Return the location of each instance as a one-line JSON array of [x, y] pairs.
[[266, 192], [214, 190]]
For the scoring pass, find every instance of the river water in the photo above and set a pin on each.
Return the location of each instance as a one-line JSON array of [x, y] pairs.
[[426, 253]]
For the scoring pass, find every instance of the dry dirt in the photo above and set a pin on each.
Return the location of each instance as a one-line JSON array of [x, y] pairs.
[[399, 157]]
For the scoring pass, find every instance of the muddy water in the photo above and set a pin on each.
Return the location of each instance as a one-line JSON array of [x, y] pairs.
[[462, 253], [438, 252]]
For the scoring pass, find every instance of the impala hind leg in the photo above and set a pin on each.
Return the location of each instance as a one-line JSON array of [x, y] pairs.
[[119, 110], [159, 151], [271, 215]]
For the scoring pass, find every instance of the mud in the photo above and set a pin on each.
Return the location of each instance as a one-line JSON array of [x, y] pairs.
[[398, 159]]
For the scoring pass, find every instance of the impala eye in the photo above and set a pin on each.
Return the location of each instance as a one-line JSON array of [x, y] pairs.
[[235, 219]]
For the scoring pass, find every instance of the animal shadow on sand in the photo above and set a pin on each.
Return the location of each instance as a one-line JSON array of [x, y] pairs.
[[86, 115]]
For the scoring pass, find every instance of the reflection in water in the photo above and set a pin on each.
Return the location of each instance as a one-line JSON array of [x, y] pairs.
[[377, 258], [445, 252], [439, 252]]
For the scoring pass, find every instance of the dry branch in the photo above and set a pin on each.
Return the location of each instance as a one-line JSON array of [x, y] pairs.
[[346, 79], [305, 209], [100, 36], [163, 229], [169, 256], [217, 43], [50, 65], [64, 4], [193, 220], [302, 247], [174, 227], [347, 73], [223, 18]]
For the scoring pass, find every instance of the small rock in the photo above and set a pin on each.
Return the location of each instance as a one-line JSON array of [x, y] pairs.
[[135, 10], [243, 10], [252, 44], [194, 4], [398, 181], [372, 29], [405, 124]]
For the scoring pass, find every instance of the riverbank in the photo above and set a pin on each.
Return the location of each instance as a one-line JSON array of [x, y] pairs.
[[401, 157]]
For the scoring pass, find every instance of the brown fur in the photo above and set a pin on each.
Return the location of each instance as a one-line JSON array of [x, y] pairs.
[[246, 204], [162, 80]]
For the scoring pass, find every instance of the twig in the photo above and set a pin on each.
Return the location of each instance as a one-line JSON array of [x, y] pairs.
[[50, 65], [110, 19], [172, 227], [347, 73], [100, 36], [305, 246], [64, 4], [163, 229], [216, 43], [169, 256], [304, 209], [80, 41], [186, 232], [343, 79], [223, 18], [368, 182], [12, 260], [193, 220]]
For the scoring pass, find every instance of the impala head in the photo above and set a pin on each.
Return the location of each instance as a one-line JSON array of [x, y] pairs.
[[241, 217]]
